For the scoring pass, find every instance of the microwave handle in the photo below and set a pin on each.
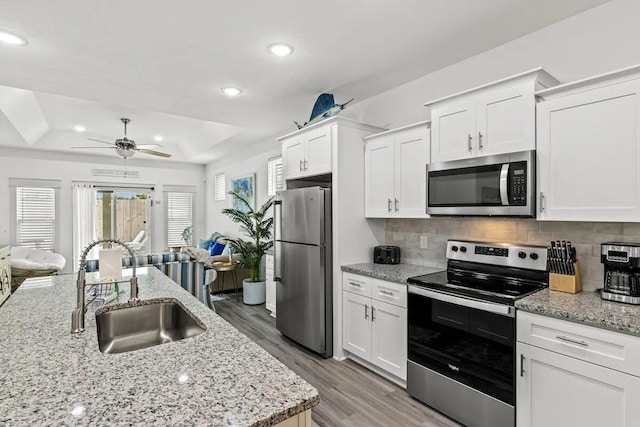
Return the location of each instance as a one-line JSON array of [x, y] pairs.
[[504, 180]]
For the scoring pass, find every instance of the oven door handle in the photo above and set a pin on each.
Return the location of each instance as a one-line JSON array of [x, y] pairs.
[[503, 310], [504, 181]]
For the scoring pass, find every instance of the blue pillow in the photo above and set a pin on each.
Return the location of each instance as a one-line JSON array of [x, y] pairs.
[[204, 244], [216, 248]]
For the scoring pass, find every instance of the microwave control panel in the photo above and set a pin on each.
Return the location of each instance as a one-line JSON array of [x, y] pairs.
[[518, 184]]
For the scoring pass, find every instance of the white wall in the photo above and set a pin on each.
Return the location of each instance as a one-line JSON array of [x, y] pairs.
[[253, 160], [598, 40], [69, 167]]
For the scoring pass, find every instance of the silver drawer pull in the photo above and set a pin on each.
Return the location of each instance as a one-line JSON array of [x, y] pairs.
[[355, 284], [382, 291], [567, 339]]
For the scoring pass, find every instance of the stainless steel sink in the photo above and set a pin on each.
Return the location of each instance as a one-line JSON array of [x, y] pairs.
[[142, 326]]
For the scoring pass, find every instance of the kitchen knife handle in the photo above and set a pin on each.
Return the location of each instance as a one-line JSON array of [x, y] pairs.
[[469, 140]]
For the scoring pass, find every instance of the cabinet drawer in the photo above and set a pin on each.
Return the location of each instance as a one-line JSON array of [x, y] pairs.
[[390, 292], [356, 284], [606, 348]]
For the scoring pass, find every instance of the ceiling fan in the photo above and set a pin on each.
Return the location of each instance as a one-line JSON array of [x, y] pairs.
[[126, 147]]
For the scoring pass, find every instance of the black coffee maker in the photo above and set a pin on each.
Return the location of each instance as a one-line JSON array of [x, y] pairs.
[[621, 272]]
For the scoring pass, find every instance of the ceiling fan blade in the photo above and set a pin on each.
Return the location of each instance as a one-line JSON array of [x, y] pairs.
[[155, 153], [148, 146], [99, 140], [109, 148]]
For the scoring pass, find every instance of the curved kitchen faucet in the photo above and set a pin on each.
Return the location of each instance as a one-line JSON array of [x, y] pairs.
[[77, 316]]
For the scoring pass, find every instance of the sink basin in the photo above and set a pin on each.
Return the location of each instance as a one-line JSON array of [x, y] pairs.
[[142, 326]]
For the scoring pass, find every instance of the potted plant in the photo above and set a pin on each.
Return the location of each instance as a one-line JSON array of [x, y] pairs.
[[257, 226]]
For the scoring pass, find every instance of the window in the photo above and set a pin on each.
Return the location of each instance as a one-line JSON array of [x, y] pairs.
[[179, 217], [36, 218], [275, 177], [221, 189]]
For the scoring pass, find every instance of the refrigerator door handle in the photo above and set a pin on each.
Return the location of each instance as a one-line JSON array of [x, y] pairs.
[[277, 252]]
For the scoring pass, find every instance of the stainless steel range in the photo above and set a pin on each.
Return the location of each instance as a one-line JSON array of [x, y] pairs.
[[462, 330]]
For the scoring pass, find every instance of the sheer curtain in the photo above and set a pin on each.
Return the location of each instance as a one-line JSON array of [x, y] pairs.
[[84, 206]]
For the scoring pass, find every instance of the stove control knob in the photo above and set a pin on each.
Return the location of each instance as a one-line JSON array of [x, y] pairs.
[[522, 255], [463, 249], [454, 248], [533, 255]]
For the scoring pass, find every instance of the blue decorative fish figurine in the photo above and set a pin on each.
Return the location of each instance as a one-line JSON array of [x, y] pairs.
[[324, 108]]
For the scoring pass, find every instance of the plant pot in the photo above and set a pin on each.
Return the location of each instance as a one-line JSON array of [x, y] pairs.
[[254, 293]]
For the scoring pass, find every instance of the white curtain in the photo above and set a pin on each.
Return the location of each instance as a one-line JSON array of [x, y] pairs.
[[84, 206]]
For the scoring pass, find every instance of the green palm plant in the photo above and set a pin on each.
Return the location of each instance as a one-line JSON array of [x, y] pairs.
[[257, 226]]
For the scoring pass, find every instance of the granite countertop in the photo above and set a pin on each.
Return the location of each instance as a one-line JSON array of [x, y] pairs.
[[219, 377], [398, 273], [586, 308]]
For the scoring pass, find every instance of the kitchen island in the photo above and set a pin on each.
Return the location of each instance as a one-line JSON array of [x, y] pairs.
[[219, 377]]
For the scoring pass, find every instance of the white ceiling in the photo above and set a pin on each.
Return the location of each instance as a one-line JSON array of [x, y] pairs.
[[162, 63]]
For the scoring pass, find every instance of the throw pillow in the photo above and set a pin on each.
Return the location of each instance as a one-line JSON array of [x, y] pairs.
[[216, 248]]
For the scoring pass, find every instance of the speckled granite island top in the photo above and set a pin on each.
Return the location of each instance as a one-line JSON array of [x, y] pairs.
[[220, 377], [586, 308], [398, 273]]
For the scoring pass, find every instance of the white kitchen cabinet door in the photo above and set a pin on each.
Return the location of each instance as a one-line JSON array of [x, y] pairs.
[[379, 179], [506, 120], [589, 155], [411, 158], [356, 325], [270, 303], [389, 338], [453, 131], [293, 155], [318, 151], [556, 390]]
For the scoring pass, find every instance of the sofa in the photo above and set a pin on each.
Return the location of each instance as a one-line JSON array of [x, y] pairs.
[[179, 267]]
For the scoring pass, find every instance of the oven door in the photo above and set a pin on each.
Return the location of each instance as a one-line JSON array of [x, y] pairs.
[[492, 185], [468, 340]]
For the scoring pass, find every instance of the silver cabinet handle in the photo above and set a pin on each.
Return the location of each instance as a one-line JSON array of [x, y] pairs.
[[480, 140], [306, 165], [382, 291], [366, 311], [355, 284], [470, 139], [522, 365], [373, 313], [300, 168], [542, 202], [396, 204], [572, 341], [389, 205]]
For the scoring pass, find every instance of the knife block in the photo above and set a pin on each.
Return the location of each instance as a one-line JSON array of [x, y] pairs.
[[565, 282]]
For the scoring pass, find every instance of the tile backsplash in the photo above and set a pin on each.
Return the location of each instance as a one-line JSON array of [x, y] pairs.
[[423, 241]]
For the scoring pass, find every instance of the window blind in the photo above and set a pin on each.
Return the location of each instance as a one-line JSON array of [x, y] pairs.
[[179, 216], [221, 189], [275, 177], [36, 217]]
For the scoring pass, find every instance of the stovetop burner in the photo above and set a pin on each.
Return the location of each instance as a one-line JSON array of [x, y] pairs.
[[492, 272]]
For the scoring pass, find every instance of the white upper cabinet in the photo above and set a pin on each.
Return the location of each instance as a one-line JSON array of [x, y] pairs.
[[495, 118], [589, 149], [307, 153], [395, 172]]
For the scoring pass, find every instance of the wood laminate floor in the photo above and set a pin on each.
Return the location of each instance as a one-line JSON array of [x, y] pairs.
[[350, 395]]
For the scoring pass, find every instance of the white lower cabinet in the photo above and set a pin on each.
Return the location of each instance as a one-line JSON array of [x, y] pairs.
[[270, 286], [375, 331], [557, 383], [5, 273]]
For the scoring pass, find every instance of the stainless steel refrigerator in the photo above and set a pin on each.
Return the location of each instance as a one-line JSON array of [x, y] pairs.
[[303, 267]]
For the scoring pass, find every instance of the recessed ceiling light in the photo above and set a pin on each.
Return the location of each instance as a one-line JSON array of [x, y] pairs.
[[280, 49], [231, 91], [11, 39], [158, 138], [79, 128]]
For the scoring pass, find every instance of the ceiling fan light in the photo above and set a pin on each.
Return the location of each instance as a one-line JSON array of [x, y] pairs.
[[125, 153]]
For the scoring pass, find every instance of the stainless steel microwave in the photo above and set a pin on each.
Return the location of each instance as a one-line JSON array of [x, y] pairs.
[[500, 185]]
